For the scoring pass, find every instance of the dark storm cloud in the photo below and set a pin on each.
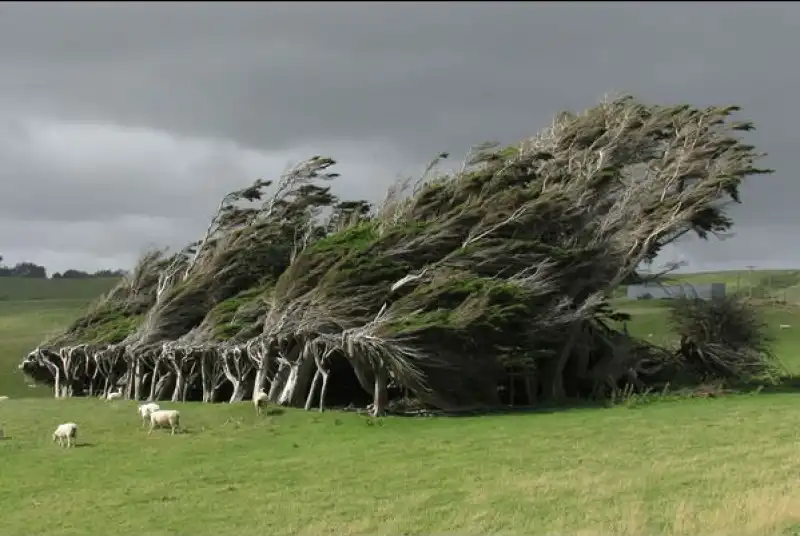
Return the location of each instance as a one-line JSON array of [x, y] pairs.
[[412, 79]]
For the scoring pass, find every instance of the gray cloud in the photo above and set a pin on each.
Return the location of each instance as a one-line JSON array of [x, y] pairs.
[[105, 105]]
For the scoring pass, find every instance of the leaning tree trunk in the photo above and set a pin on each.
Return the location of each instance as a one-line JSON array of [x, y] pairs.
[[180, 382], [206, 377], [279, 382], [261, 377], [238, 390], [191, 378], [306, 369], [138, 381], [128, 387], [266, 356], [237, 381], [66, 378], [154, 381], [161, 387], [291, 382], [312, 389], [324, 374], [380, 398], [295, 390], [236, 367], [57, 385], [94, 381], [66, 357], [283, 376]]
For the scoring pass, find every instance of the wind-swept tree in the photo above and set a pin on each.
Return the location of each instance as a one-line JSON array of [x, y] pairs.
[[456, 284]]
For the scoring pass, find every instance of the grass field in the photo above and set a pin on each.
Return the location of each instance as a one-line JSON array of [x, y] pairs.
[[726, 466], [30, 309]]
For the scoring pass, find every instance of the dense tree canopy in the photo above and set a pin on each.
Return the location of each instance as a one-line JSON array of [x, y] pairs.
[[456, 283]]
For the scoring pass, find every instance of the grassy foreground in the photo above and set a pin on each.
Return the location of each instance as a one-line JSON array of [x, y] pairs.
[[723, 466], [719, 466]]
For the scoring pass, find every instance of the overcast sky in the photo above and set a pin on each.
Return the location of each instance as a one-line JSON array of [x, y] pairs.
[[121, 125]]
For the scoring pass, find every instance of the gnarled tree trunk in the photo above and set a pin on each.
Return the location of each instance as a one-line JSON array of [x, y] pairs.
[[285, 377], [236, 366], [161, 387], [295, 391], [180, 384], [380, 397], [138, 377]]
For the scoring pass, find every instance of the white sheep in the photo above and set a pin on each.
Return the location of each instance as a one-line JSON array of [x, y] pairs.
[[164, 417], [146, 409], [67, 431], [114, 396], [2, 398], [260, 400]]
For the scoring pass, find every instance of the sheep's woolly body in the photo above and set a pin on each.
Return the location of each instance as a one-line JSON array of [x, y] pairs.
[[114, 396], [2, 398], [260, 401], [66, 432], [165, 417], [146, 409]]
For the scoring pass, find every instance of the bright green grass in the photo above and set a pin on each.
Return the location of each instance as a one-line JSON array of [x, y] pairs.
[[718, 466]]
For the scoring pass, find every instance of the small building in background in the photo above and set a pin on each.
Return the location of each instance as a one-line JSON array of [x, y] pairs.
[[656, 291]]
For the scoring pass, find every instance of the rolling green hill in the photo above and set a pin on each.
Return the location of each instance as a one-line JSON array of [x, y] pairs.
[[15, 289], [778, 284], [31, 309]]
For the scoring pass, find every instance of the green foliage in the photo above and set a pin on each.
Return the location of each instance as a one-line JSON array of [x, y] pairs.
[[110, 328], [355, 239], [723, 338], [506, 261], [238, 314]]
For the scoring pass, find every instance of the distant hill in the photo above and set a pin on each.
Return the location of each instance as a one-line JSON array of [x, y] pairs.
[[777, 284], [14, 289]]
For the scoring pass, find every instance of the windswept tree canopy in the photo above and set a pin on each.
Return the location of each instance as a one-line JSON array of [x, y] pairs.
[[457, 278]]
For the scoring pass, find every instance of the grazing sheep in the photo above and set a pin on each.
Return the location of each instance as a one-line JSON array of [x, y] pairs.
[[146, 409], [67, 431], [259, 401], [4, 397], [784, 326], [164, 417], [114, 396]]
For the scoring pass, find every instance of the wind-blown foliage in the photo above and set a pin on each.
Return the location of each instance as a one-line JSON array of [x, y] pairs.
[[723, 338], [493, 275]]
